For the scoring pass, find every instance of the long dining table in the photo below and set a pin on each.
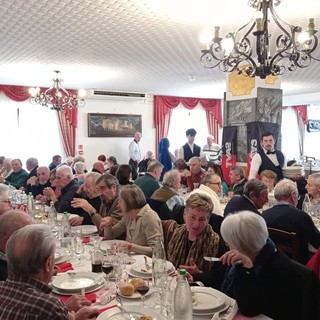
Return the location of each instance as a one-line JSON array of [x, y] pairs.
[[102, 293]]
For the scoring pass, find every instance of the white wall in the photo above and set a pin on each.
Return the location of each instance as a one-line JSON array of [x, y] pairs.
[[117, 147]]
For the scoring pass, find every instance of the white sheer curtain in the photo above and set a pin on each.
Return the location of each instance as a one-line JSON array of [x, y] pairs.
[[28, 131], [311, 140], [289, 133], [183, 119]]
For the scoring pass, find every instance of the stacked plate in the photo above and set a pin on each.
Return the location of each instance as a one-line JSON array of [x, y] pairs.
[[72, 282], [291, 172], [85, 230], [135, 311], [61, 255], [208, 301], [140, 270], [71, 215]]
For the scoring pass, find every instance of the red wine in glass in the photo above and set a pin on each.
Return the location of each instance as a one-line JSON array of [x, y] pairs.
[[96, 267], [107, 268], [143, 290]]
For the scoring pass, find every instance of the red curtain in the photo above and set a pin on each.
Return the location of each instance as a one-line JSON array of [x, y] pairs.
[[163, 106], [68, 120]]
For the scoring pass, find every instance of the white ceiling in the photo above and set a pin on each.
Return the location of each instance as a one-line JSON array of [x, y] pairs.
[[149, 46]]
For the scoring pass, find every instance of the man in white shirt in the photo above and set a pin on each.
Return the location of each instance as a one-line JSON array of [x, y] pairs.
[[212, 149], [190, 149], [135, 154], [267, 158]]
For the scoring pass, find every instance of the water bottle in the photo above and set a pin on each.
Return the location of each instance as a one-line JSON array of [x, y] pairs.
[[158, 261], [183, 298], [52, 215], [66, 229], [30, 204]]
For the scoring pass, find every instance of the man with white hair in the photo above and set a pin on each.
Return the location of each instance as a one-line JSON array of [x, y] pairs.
[[285, 216], [135, 154], [36, 184], [212, 150], [26, 293], [5, 203], [196, 173], [64, 180], [7, 168]]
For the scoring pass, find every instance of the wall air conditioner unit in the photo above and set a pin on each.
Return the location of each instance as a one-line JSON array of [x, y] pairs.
[[115, 95]]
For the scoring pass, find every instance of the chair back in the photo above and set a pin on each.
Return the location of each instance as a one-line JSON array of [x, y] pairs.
[[160, 208], [288, 242]]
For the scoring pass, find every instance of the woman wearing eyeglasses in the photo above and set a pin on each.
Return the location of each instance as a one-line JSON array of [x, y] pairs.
[[211, 186], [5, 203]]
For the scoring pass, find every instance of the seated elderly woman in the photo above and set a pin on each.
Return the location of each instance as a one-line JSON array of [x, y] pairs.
[[261, 278], [5, 203], [139, 222], [187, 244], [124, 174]]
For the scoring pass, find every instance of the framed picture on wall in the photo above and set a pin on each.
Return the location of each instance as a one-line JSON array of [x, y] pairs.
[[113, 125]]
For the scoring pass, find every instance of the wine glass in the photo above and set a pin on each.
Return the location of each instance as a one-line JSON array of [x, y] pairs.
[[78, 249], [143, 289], [107, 266]]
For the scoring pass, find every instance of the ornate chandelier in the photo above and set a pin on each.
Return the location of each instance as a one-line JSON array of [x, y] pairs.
[[293, 48], [57, 97]]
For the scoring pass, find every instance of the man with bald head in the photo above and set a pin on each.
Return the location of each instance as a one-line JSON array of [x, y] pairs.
[[10, 222], [64, 180]]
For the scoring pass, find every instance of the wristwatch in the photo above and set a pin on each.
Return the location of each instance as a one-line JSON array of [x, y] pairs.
[[93, 213]]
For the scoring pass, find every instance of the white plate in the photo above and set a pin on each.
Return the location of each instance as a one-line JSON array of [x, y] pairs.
[[106, 244], [136, 295], [71, 215], [117, 314], [96, 287], [76, 280], [209, 300], [86, 230], [140, 268], [138, 275]]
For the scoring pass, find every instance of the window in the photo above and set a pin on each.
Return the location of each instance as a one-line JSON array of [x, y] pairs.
[[28, 131]]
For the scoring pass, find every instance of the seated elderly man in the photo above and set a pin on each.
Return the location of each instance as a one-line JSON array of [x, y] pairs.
[[313, 189], [139, 223], [188, 243], [18, 176], [98, 166], [11, 221], [7, 168], [211, 186], [32, 165], [255, 195], [64, 180], [5, 203], [56, 161], [26, 293], [196, 173], [87, 200], [36, 184], [149, 183], [262, 279], [285, 216], [238, 180]]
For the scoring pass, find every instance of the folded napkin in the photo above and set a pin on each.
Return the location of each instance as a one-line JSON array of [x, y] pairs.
[[90, 296], [86, 240], [107, 308], [63, 267]]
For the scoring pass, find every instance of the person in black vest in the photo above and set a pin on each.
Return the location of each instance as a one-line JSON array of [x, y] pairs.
[[190, 149], [268, 158]]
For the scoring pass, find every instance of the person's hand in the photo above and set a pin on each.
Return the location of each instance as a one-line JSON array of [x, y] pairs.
[[192, 268], [234, 257], [86, 313], [105, 222], [177, 274], [83, 204], [186, 173], [118, 244], [76, 302], [41, 198], [2, 179], [76, 221], [33, 181], [49, 193]]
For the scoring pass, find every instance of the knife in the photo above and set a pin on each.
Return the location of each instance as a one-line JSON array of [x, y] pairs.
[[146, 263]]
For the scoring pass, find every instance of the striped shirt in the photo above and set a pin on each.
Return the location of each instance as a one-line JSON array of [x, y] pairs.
[[25, 298]]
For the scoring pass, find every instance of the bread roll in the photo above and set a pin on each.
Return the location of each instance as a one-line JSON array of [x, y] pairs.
[[137, 282], [126, 289]]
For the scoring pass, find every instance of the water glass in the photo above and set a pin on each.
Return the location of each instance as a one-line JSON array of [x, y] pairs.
[[78, 249], [167, 309]]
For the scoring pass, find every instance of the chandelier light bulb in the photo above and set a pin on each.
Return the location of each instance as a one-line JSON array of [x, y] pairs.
[[205, 39], [259, 21], [81, 93]]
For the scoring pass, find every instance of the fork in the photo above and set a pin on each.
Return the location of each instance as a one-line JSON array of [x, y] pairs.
[[146, 263]]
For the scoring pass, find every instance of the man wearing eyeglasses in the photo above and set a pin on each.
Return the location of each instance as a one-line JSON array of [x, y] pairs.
[[210, 185]]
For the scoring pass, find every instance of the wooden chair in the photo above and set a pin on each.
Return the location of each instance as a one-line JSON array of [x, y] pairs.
[[288, 242]]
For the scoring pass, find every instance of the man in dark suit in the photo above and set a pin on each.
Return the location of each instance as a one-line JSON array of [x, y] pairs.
[[285, 216], [255, 195], [268, 158], [190, 149]]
